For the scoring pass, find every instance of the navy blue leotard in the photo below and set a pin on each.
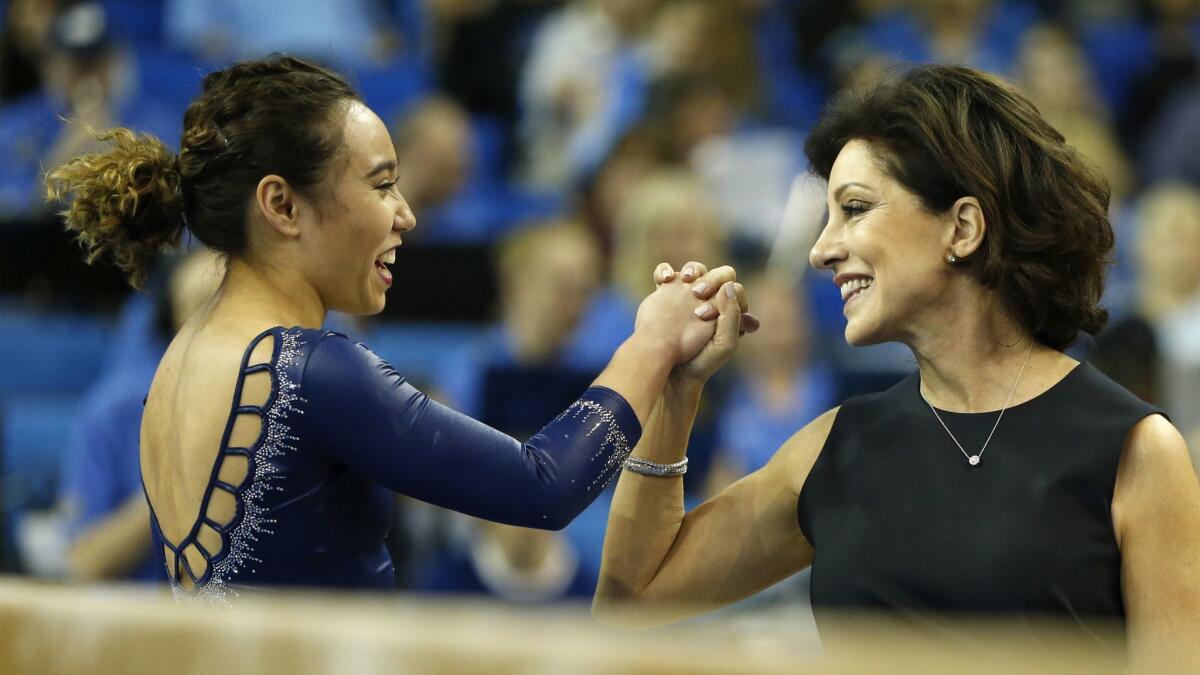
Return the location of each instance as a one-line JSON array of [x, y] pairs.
[[342, 431]]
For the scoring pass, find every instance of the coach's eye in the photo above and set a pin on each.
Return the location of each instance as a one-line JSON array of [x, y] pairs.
[[854, 208]]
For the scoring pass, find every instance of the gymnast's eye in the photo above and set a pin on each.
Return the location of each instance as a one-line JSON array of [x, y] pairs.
[[386, 187]]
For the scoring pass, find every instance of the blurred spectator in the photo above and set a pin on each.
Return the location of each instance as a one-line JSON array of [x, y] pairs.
[[666, 217], [516, 378], [433, 150], [582, 87], [452, 175], [1129, 353], [1172, 147], [633, 158], [89, 81], [1058, 79], [709, 39], [1143, 51], [1174, 35], [777, 387], [547, 276], [746, 170], [1056, 76], [109, 528], [1169, 256], [479, 47], [790, 92], [1162, 122], [825, 30], [26, 29], [705, 74], [982, 34], [1169, 263], [350, 33], [685, 111]]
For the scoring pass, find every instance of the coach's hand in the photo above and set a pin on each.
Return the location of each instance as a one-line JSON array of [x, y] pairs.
[[727, 304]]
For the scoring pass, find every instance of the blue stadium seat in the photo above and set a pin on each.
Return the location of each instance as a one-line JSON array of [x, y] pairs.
[[482, 213], [136, 21], [1119, 52], [389, 90], [43, 354], [169, 76], [35, 435], [489, 146], [415, 25]]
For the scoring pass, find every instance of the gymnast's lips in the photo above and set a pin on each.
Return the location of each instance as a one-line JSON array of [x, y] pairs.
[[388, 257]]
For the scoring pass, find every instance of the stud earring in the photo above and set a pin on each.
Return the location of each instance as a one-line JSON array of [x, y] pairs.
[[951, 258]]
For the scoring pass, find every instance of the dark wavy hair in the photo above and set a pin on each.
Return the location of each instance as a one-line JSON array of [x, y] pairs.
[[130, 202], [946, 132]]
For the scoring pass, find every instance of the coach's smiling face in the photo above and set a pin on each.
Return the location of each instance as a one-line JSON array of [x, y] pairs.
[[888, 252]]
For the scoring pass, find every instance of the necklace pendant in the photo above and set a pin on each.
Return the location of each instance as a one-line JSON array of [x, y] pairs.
[[973, 460]]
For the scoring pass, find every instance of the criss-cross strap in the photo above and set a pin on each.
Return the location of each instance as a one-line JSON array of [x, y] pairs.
[[232, 516]]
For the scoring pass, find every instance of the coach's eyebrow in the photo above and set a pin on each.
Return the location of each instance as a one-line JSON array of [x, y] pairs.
[[842, 188]]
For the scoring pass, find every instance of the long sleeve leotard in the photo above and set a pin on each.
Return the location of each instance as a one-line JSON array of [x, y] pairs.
[[342, 431]]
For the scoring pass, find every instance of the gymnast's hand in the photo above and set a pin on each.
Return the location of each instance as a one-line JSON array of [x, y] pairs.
[[727, 304], [677, 319]]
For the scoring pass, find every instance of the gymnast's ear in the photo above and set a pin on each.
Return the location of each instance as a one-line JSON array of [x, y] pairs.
[[277, 202], [966, 216]]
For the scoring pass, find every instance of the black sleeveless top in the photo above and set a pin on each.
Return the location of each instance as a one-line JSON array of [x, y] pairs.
[[900, 522]]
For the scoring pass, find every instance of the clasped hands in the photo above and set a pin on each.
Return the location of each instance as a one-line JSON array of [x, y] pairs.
[[700, 313]]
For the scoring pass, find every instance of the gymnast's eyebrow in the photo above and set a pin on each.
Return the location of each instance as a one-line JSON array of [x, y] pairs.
[[388, 165]]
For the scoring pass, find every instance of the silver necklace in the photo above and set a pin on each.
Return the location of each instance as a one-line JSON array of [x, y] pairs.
[[974, 460]]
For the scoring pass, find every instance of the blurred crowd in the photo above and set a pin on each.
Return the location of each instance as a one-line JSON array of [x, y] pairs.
[[577, 142]]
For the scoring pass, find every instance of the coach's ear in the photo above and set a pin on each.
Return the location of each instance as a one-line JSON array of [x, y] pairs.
[[967, 227]]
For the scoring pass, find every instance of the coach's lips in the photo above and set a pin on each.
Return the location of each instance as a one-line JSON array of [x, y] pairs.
[[852, 284]]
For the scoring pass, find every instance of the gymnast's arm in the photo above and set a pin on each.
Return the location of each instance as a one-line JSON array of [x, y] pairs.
[[369, 418], [1156, 516], [365, 415]]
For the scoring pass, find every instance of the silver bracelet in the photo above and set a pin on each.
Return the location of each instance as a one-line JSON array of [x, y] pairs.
[[648, 468]]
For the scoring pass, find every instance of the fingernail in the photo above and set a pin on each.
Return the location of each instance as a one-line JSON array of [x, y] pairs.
[[688, 271], [702, 310], [699, 288], [730, 291], [668, 275]]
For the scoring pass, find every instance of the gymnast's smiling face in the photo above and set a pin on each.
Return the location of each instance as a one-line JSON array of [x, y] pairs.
[[360, 217], [885, 249]]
